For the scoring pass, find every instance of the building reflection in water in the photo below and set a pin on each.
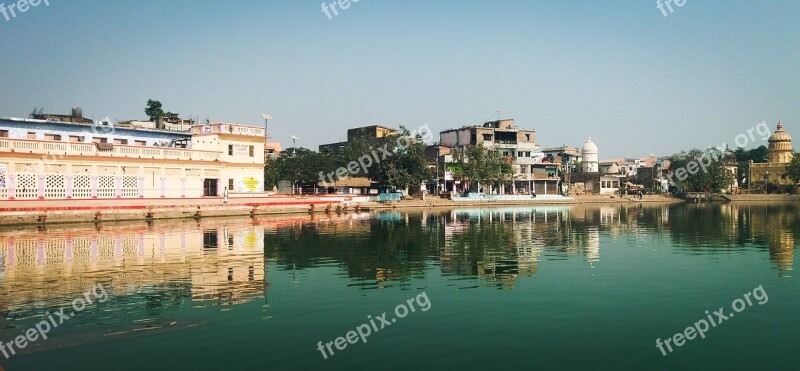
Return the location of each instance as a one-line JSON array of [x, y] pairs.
[[739, 225], [224, 261], [217, 264], [777, 224]]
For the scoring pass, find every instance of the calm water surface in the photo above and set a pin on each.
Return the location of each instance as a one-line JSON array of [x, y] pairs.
[[534, 287]]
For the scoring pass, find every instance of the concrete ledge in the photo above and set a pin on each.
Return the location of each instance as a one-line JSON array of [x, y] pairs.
[[763, 198], [84, 211]]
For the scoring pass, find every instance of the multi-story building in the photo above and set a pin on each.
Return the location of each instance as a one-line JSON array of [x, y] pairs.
[[565, 155], [531, 173], [372, 131], [43, 159]]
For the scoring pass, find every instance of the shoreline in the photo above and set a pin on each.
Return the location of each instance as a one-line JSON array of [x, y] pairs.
[[46, 212], [27, 213]]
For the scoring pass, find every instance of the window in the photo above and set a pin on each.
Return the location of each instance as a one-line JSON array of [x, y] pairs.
[[527, 137], [252, 151], [230, 149], [210, 239], [3, 133], [121, 141], [52, 137], [230, 184], [75, 138], [99, 140], [140, 142], [487, 137], [31, 135]]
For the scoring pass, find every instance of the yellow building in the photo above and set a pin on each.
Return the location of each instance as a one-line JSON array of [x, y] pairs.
[[780, 154], [50, 160], [219, 261]]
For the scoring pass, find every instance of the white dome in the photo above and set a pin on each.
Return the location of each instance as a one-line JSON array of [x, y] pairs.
[[589, 146]]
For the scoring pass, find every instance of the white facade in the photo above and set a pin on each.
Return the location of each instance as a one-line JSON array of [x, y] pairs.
[[79, 161], [591, 163]]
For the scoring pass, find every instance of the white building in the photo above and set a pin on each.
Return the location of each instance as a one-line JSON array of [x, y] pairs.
[[590, 158], [51, 160]]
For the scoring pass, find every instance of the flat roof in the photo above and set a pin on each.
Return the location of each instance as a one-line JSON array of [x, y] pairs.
[[78, 124]]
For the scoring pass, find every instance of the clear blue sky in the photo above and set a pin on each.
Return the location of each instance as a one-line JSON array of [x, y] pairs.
[[636, 81]]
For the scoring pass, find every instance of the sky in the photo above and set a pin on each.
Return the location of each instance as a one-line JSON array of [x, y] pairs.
[[636, 81]]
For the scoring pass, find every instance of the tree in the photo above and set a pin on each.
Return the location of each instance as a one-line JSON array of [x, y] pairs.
[[689, 172], [743, 157], [793, 169], [297, 165], [478, 164], [154, 110], [394, 161]]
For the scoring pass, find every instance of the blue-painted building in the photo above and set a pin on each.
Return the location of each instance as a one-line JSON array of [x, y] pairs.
[[30, 129]]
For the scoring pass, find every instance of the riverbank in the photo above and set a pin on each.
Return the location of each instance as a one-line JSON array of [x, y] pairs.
[[763, 198], [104, 210]]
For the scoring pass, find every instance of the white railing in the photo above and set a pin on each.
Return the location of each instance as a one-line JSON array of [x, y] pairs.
[[83, 149]]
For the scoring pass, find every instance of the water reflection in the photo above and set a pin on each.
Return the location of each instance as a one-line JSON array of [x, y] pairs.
[[738, 226], [213, 262], [223, 262]]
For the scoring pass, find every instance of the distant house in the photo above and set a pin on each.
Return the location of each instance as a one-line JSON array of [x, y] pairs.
[[531, 172], [372, 131], [353, 186]]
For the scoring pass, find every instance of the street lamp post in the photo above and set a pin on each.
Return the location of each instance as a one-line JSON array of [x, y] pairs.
[[294, 153], [766, 182], [266, 118], [294, 144]]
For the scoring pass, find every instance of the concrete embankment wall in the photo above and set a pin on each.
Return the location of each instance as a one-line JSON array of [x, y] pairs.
[[44, 212], [763, 198]]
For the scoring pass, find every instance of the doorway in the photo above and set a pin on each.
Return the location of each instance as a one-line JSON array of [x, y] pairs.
[[210, 187]]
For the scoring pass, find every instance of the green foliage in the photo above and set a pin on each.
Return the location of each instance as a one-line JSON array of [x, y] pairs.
[[645, 177], [743, 157], [688, 175], [793, 169], [577, 167], [297, 164], [154, 110], [479, 164], [393, 161]]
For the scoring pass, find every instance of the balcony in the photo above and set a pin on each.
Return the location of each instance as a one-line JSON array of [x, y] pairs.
[[90, 150], [225, 128]]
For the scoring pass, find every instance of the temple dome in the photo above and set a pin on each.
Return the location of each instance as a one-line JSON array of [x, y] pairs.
[[780, 135], [589, 147]]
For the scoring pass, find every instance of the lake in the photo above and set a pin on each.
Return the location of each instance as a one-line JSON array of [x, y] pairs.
[[545, 287]]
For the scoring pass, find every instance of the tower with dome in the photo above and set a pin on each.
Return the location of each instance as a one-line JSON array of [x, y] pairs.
[[780, 154], [591, 163]]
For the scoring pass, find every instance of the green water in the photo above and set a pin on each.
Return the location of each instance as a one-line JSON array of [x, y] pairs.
[[530, 287]]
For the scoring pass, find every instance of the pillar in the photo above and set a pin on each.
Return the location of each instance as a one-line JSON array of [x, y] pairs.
[[40, 255], [41, 187], [11, 186], [70, 185], [94, 186], [68, 253], [141, 187], [118, 186]]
